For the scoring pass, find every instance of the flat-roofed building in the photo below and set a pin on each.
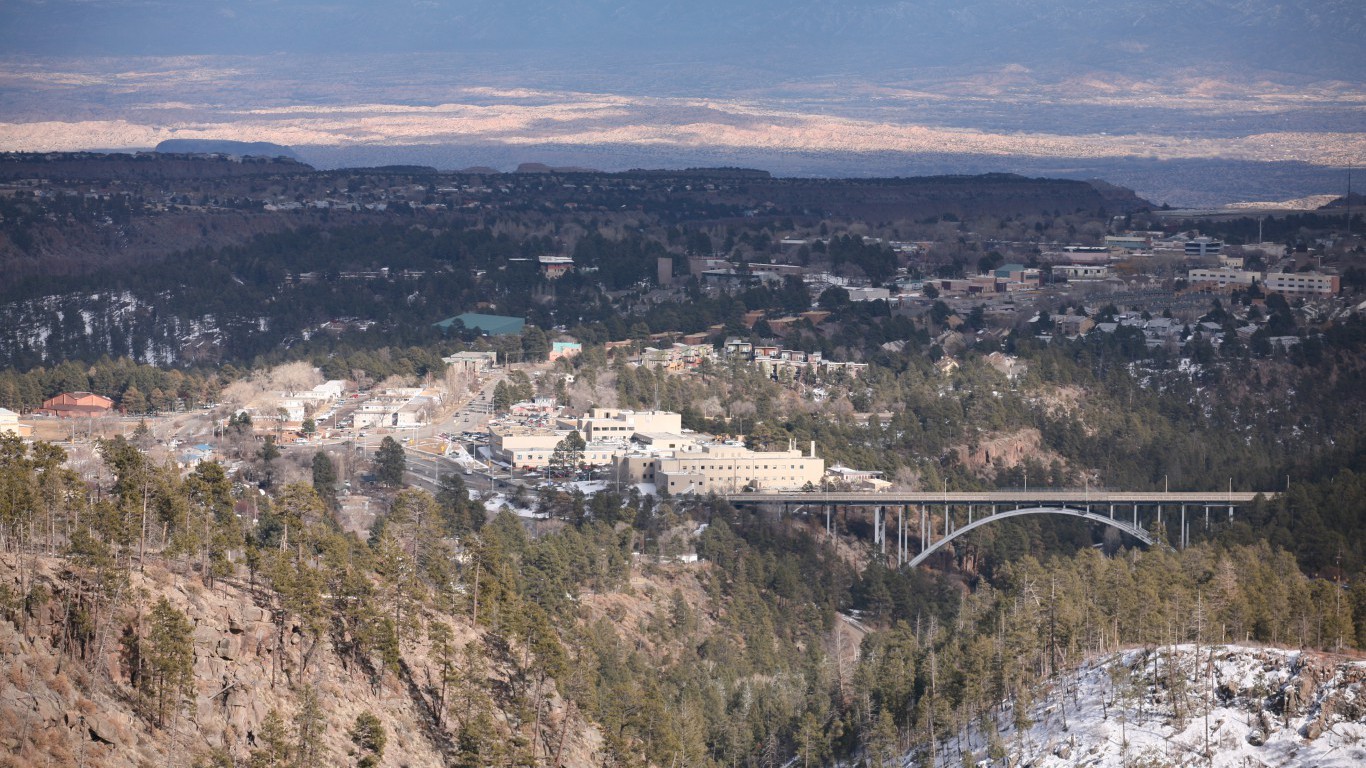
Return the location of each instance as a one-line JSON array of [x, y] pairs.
[[1302, 283], [865, 293], [1222, 278], [617, 425], [559, 349], [523, 446], [1202, 247], [9, 424], [1128, 242], [1082, 271], [472, 362], [718, 468], [529, 448]]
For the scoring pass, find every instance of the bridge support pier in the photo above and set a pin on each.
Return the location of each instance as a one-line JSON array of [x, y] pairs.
[[900, 536]]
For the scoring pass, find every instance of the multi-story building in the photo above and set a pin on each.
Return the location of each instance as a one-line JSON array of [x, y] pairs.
[[720, 468], [1128, 242], [1202, 247], [524, 446], [472, 362], [404, 407], [1302, 283], [676, 358], [1222, 278], [616, 425], [1082, 271]]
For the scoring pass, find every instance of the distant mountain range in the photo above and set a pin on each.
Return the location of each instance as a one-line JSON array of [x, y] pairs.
[[225, 147], [1188, 103]]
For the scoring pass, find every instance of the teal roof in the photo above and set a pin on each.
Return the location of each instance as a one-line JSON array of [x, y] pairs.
[[493, 325]]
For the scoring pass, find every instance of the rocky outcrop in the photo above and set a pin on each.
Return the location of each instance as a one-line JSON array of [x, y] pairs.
[[248, 661]]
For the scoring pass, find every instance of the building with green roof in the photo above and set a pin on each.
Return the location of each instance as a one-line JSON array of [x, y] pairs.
[[492, 325]]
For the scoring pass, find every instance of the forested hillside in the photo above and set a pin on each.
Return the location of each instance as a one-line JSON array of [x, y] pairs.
[[225, 614], [144, 615]]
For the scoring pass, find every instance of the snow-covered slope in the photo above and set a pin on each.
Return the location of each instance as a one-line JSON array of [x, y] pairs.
[[1162, 707]]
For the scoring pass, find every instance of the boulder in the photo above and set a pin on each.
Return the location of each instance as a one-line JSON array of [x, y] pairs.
[[108, 727], [1257, 737]]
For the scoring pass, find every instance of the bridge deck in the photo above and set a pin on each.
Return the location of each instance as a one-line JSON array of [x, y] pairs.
[[1069, 497]]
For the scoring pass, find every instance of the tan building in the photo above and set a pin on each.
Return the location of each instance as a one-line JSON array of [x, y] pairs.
[[733, 468], [616, 425], [472, 362], [524, 446], [9, 424], [1302, 283], [531, 448], [1074, 325], [1223, 278]]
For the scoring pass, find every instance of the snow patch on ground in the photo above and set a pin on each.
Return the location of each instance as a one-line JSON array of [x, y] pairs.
[[1258, 707]]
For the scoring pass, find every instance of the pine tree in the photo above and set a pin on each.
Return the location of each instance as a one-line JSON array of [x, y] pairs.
[[133, 401], [390, 463], [168, 662], [369, 737], [275, 750], [568, 455], [325, 478], [309, 723], [268, 454]]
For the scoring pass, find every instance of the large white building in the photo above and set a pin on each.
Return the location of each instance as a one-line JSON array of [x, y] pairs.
[[652, 447], [1223, 278], [1302, 283], [404, 407], [1288, 283], [616, 425], [720, 468], [1082, 271]]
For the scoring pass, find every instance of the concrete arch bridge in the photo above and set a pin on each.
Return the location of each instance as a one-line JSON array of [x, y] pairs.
[[936, 519]]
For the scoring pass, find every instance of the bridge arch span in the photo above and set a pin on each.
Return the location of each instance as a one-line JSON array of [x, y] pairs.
[[1134, 531]]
